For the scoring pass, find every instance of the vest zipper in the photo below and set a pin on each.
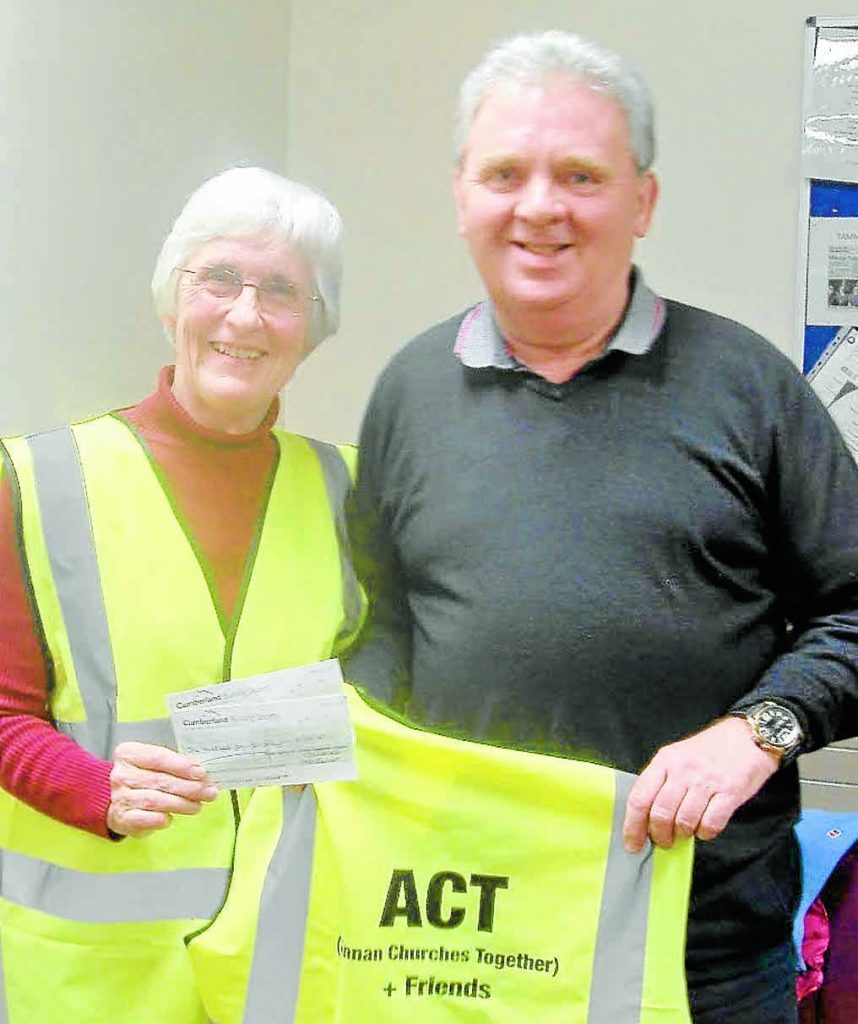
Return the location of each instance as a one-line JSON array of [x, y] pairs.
[[232, 630]]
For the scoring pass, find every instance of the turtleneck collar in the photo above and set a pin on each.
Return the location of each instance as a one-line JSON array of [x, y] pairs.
[[166, 414]]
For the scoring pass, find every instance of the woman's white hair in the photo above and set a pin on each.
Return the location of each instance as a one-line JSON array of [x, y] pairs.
[[250, 201], [526, 59]]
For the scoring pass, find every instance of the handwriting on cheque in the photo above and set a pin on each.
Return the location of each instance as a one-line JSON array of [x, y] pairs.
[[283, 728]]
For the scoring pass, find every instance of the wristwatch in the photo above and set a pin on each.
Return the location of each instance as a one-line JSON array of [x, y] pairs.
[[774, 727]]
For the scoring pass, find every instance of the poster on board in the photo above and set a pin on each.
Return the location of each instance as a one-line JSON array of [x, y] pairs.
[[832, 271], [831, 302]]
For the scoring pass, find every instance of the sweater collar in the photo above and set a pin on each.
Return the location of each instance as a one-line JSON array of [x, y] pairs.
[[480, 344]]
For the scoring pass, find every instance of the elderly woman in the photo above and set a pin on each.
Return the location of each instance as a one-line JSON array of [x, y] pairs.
[[178, 543]]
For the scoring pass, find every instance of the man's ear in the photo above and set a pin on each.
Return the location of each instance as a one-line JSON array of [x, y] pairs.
[[648, 189]]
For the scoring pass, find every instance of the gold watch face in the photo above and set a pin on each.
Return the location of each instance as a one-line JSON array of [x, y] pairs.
[[777, 726]]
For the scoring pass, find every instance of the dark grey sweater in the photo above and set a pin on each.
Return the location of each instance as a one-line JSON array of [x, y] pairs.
[[602, 567]]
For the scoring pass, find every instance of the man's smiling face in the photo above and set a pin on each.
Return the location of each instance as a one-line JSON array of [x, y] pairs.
[[549, 198]]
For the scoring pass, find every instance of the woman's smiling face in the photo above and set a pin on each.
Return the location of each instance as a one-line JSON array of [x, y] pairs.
[[232, 357]]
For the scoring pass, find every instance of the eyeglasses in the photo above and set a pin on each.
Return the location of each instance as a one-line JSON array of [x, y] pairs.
[[273, 294]]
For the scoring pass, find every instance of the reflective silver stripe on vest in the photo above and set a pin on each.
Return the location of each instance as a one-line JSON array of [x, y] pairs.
[[155, 730], [275, 975], [339, 482], [616, 988], [4, 1016], [119, 898], [71, 551]]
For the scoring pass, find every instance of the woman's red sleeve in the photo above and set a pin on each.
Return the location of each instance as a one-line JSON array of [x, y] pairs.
[[38, 764]]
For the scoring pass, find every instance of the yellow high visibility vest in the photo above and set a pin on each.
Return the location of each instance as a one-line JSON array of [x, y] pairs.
[[92, 930], [454, 881]]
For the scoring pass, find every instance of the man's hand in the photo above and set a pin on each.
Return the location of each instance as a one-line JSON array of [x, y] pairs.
[[692, 787], [149, 784]]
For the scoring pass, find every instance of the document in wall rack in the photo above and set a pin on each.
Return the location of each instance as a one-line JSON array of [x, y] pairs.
[[834, 378]]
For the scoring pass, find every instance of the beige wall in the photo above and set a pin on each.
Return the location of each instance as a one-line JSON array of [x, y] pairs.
[[372, 86], [112, 112]]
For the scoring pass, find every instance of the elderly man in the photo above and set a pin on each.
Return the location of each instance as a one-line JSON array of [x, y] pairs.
[[599, 522]]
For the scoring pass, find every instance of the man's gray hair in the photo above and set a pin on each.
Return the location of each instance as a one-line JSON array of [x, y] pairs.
[[532, 58], [250, 201]]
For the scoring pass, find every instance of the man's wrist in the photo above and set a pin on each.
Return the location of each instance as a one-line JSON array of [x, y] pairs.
[[774, 728]]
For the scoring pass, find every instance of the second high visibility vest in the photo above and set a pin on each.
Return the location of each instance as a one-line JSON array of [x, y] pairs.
[[454, 881], [92, 930]]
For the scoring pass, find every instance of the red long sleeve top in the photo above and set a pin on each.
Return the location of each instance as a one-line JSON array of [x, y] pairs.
[[218, 483]]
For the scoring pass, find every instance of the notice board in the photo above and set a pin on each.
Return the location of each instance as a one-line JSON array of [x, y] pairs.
[[828, 219]]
